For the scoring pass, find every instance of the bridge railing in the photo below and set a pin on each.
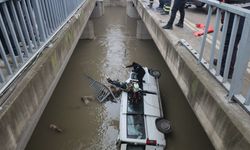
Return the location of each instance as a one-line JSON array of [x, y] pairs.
[[236, 25], [26, 27]]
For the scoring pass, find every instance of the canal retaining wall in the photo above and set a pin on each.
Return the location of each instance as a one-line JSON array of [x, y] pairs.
[[115, 3], [27, 97], [226, 124]]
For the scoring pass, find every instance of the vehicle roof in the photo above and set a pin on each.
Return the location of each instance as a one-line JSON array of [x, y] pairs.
[[151, 105], [149, 108]]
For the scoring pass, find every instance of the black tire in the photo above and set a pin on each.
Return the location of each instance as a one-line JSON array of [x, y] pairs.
[[187, 5], [163, 125], [155, 73], [199, 6]]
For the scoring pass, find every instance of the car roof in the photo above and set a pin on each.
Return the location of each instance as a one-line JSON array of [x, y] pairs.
[[149, 107]]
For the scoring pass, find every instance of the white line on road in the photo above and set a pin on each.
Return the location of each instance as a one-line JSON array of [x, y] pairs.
[[193, 27]]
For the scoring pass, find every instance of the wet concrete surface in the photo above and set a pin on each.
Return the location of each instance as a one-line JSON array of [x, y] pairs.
[[95, 126]]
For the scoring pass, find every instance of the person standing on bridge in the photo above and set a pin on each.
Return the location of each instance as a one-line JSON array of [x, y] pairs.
[[179, 5], [151, 2], [227, 40], [166, 7], [161, 4]]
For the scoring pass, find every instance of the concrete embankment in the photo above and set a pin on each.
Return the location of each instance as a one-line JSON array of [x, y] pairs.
[[226, 124], [114, 2], [27, 97]]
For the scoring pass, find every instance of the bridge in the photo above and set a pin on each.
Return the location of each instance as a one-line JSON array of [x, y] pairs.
[[38, 38]]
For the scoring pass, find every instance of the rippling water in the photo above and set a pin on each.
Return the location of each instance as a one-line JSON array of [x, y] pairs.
[[94, 126]]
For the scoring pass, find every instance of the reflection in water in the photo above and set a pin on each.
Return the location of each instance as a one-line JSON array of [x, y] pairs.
[[94, 126]]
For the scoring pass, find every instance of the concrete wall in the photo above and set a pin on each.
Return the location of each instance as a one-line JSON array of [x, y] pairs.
[[29, 94], [88, 32], [226, 124], [141, 31], [98, 10], [131, 11], [115, 2]]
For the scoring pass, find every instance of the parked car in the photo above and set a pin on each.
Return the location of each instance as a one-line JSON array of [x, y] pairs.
[[198, 4]]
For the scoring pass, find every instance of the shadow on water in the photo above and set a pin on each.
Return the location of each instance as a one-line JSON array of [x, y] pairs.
[[94, 126]]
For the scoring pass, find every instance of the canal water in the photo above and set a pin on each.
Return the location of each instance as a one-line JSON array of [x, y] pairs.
[[94, 126]]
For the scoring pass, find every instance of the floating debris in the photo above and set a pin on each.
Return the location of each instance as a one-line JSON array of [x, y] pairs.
[[116, 91], [91, 98], [55, 128], [101, 91], [87, 99]]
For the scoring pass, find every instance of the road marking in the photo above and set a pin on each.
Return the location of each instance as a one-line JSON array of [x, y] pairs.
[[193, 27], [209, 37]]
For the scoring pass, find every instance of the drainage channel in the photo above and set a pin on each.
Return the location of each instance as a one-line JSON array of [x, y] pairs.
[[95, 126]]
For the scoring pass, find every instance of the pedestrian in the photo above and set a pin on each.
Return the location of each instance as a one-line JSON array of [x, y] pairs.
[[161, 4], [151, 2], [227, 39], [166, 7], [138, 69], [179, 5]]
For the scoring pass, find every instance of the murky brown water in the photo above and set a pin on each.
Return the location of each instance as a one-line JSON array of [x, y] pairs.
[[95, 126]]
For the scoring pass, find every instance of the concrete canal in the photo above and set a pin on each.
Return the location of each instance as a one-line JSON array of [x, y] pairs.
[[94, 126]]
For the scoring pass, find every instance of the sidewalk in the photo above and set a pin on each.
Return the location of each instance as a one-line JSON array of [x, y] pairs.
[[186, 33]]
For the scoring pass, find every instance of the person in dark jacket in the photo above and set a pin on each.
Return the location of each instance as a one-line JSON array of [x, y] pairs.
[[179, 5], [151, 2], [166, 7], [227, 40], [161, 4], [138, 69]]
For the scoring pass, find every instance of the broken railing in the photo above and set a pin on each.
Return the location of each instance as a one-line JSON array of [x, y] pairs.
[[238, 88], [26, 27]]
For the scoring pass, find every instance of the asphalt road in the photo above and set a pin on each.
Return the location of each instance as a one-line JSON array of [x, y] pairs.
[[197, 16]]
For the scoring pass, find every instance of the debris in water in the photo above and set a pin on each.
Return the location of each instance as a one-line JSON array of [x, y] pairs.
[[91, 98], [87, 99], [100, 90], [116, 91], [55, 128]]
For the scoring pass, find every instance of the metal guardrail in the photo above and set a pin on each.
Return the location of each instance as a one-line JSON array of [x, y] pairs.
[[26, 27], [236, 23]]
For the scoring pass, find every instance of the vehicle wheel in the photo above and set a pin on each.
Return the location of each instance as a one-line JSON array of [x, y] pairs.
[[187, 5], [155, 73], [199, 6], [163, 125]]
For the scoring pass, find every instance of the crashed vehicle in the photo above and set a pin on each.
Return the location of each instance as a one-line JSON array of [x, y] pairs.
[[142, 126]]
